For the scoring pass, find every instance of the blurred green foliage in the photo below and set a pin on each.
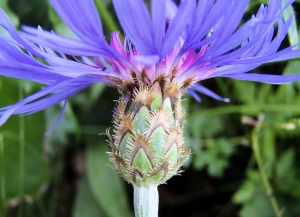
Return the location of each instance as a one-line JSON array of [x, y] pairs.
[[67, 172]]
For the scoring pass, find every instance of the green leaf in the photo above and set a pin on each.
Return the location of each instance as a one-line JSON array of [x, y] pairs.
[[59, 26], [86, 98], [203, 126], [11, 15], [25, 167], [215, 157], [244, 95], [216, 168], [85, 203], [292, 32], [108, 21], [246, 193], [253, 197], [67, 125], [268, 149], [285, 163], [107, 187], [260, 206], [287, 179], [287, 93]]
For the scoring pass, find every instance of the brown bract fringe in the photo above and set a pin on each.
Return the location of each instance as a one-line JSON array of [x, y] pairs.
[[147, 143]]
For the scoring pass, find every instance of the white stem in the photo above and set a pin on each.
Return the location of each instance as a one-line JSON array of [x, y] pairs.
[[145, 201]]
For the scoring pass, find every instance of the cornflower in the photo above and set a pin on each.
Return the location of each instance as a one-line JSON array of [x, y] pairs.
[[165, 53]]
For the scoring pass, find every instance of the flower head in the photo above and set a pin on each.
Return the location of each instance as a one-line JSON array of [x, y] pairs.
[[179, 45]]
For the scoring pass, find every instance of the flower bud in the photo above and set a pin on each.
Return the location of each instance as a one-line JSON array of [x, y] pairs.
[[147, 145]]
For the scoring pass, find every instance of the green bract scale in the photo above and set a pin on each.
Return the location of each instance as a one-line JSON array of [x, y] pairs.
[[147, 145]]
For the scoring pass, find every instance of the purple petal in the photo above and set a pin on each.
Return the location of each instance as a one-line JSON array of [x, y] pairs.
[[178, 25], [269, 79], [41, 100], [228, 24], [158, 14], [82, 18], [58, 119], [194, 94], [279, 56], [201, 89], [7, 24], [223, 71], [15, 63], [171, 9], [67, 45], [147, 60], [136, 22], [206, 16], [6, 112], [54, 99]]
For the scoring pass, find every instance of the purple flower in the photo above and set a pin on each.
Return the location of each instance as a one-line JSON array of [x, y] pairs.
[[189, 43]]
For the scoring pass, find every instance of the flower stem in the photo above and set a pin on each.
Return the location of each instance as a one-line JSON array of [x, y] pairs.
[[262, 170], [21, 156], [2, 181], [146, 201]]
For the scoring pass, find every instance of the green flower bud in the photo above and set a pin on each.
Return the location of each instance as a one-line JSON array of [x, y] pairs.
[[147, 145]]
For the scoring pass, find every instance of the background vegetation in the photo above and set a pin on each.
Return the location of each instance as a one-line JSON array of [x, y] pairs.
[[238, 148]]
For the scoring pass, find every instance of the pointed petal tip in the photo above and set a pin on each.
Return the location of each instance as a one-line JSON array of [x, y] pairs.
[[58, 119]]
